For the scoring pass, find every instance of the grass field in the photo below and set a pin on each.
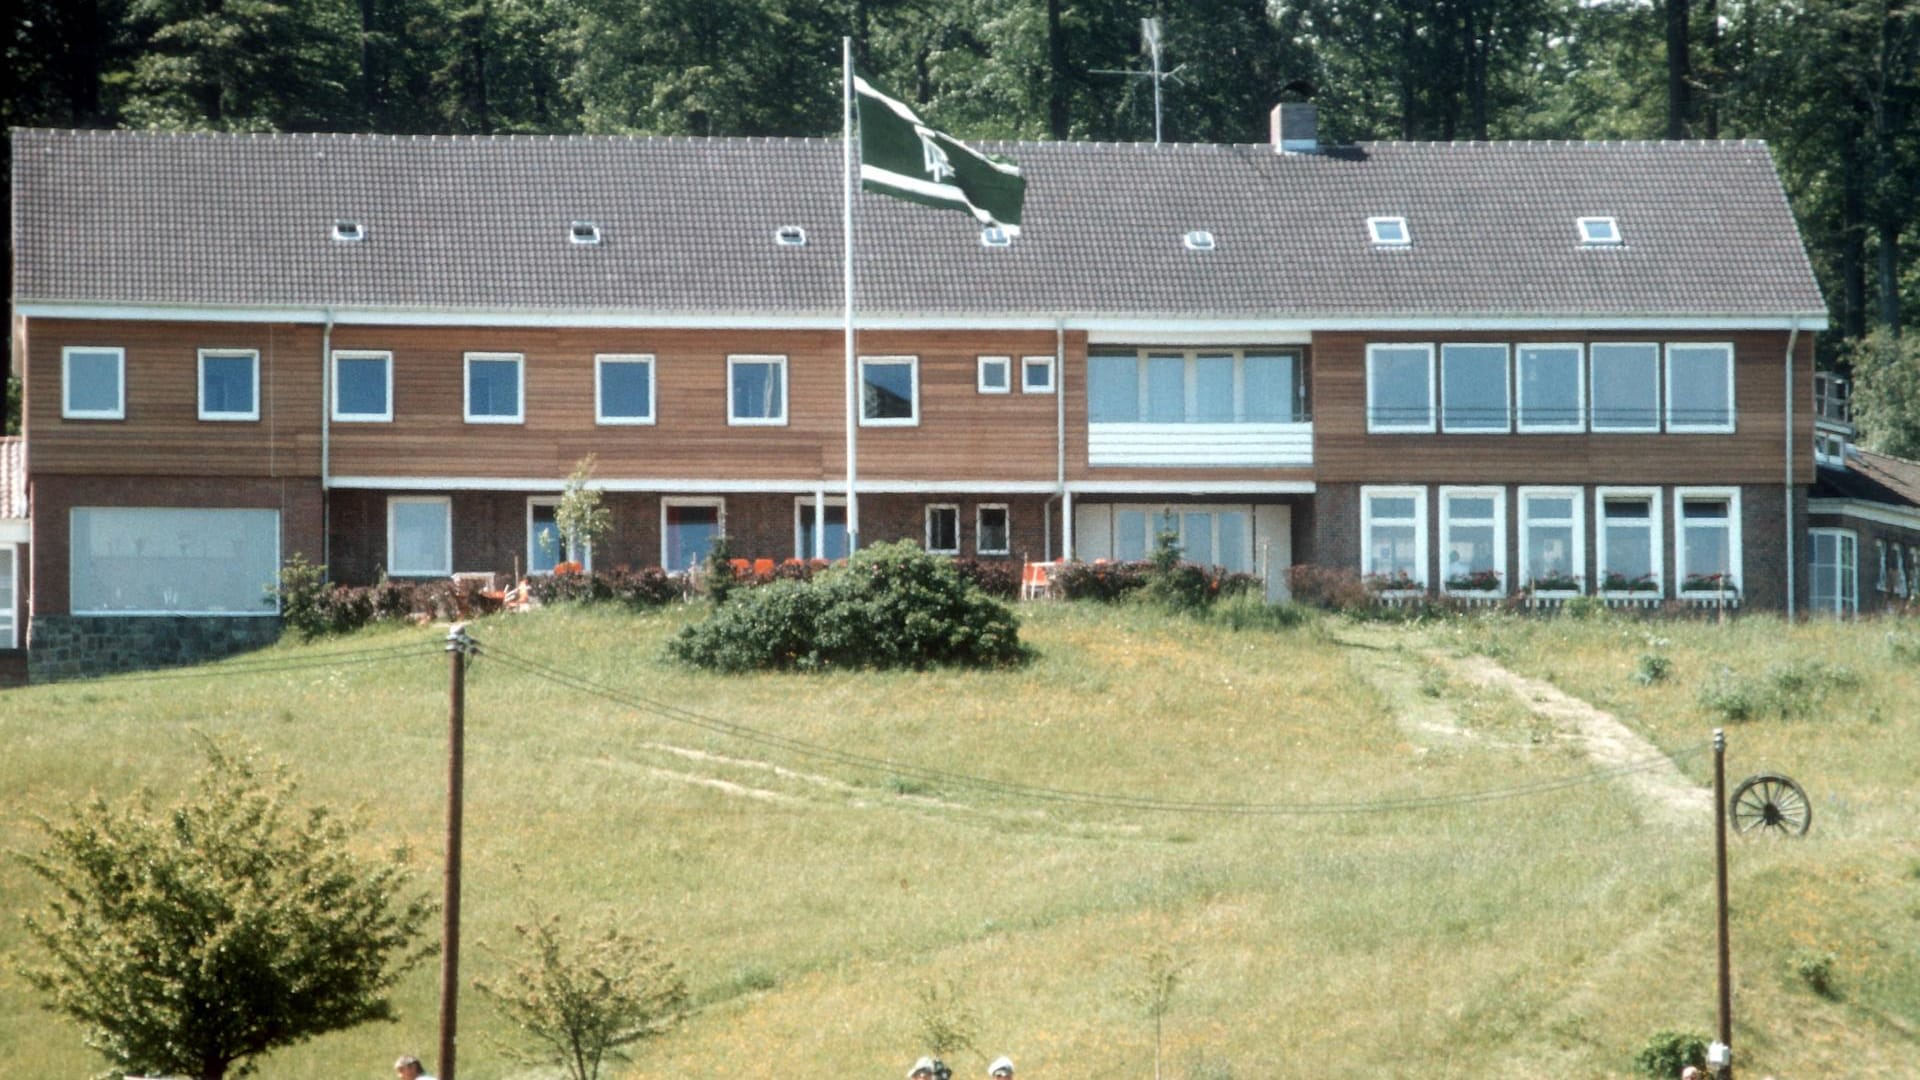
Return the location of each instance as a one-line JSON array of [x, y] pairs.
[[1544, 935]]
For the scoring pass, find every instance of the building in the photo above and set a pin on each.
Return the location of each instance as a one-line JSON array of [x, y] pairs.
[[1467, 368], [1865, 543]]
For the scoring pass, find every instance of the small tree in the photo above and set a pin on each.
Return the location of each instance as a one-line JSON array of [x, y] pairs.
[[193, 940], [1886, 392], [1159, 977], [947, 1025], [580, 519], [582, 1002]]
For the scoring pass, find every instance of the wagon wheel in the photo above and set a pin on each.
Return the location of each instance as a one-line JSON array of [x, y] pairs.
[[1770, 803]]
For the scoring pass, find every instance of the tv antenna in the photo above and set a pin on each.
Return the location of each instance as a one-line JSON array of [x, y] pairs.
[[1150, 44]]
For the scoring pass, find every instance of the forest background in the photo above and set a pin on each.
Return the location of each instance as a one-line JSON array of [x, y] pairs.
[[1833, 86]]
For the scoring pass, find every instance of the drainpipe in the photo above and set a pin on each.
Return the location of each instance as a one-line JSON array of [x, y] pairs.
[[1060, 436], [1793, 338], [326, 436]]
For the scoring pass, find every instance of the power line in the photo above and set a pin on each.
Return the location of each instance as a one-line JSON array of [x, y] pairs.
[[1017, 789], [276, 665]]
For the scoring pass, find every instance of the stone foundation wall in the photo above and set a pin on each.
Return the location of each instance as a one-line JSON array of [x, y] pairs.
[[75, 646]]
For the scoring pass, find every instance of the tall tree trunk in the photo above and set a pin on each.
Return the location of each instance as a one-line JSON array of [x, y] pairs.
[[1853, 221], [1409, 64], [1058, 122], [1679, 73], [369, 81], [1898, 57], [1479, 42], [211, 76], [81, 73]]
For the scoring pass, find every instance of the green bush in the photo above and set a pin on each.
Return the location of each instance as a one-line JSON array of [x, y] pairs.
[[1788, 691], [997, 578], [1101, 581], [1815, 968], [1331, 587], [890, 606], [1248, 610], [1652, 667], [1668, 1052], [650, 587], [302, 584]]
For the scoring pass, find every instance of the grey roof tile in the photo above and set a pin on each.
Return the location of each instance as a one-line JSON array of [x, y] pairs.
[[481, 223]]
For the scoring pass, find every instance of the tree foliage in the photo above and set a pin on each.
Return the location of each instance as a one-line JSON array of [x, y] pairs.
[[1886, 393], [580, 518], [192, 939], [581, 1000]]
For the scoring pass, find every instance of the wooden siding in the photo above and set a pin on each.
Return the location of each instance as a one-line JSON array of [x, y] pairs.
[[1752, 454]]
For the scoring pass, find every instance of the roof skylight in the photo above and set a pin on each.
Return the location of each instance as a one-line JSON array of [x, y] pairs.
[[995, 236], [584, 232], [1600, 231], [1390, 231], [790, 236], [349, 232], [1198, 240]]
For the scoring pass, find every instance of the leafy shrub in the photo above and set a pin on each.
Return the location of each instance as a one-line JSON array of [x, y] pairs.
[[1331, 587], [998, 578], [1788, 691], [1815, 968], [302, 584], [1731, 695], [639, 589], [890, 606], [1248, 610], [1652, 667], [1585, 607], [1102, 581], [1668, 1052]]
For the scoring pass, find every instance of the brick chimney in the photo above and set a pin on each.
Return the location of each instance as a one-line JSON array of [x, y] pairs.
[[1295, 128]]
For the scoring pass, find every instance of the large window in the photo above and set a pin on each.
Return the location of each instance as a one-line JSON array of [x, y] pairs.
[[1552, 539], [756, 390], [362, 386], [9, 598], [1399, 388], [688, 528], [1835, 587], [1706, 553], [494, 388], [1626, 386], [1549, 388], [1393, 529], [1227, 386], [824, 537], [1628, 528], [168, 561], [1473, 388], [1473, 541], [943, 529], [991, 530], [545, 548], [1700, 388], [419, 536], [93, 383], [1206, 535], [229, 384], [623, 389], [889, 391]]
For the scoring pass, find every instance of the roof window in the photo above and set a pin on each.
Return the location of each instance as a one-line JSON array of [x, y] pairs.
[[349, 232], [1600, 232], [995, 236], [790, 236], [1198, 240], [584, 232], [1390, 231]]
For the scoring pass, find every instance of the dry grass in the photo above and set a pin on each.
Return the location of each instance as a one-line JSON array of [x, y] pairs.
[[808, 905]]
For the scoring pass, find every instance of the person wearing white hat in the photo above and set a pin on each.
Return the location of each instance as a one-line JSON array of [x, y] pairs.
[[1002, 1068], [924, 1069]]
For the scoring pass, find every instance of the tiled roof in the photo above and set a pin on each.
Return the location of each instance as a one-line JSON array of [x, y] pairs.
[[13, 478], [481, 223], [1872, 477]]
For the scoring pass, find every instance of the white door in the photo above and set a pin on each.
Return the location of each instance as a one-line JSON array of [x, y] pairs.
[[1273, 548]]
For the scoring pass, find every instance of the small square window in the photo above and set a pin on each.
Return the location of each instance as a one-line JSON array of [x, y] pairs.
[[229, 384], [623, 389], [943, 529], [585, 233], [1036, 375], [996, 374], [1198, 240], [757, 391], [994, 236], [94, 383], [349, 232], [362, 386], [1390, 231], [790, 236], [992, 530], [889, 391], [494, 390], [1600, 232]]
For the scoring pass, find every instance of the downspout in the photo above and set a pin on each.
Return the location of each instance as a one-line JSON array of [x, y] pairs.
[[1060, 436], [1793, 338], [326, 436]]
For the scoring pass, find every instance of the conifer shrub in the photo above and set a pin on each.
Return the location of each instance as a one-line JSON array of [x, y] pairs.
[[890, 606]]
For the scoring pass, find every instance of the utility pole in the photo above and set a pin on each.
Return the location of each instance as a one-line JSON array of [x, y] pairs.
[[458, 646], [1725, 1047]]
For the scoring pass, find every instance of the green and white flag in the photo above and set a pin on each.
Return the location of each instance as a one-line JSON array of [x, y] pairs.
[[903, 157]]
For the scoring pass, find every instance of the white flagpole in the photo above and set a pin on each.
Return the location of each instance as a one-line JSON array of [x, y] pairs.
[[846, 226]]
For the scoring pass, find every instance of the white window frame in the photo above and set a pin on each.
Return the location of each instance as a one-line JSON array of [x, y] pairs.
[[10, 610], [266, 606], [1659, 382], [600, 417], [1845, 601], [779, 361], [1666, 389], [584, 556], [67, 411], [1899, 571], [959, 540], [979, 516], [913, 384], [1421, 544], [803, 509], [1004, 363], [394, 501], [1376, 227], [252, 356], [1374, 426], [1656, 540], [1506, 387], [1499, 496], [1576, 498], [720, 521], [520, 383], [1579, 422], [1590, 232], [385, 417], [1735, 549], [1044, 363], [1880, 560]]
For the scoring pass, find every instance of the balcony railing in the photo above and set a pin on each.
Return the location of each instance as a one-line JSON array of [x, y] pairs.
[[1201, 446]]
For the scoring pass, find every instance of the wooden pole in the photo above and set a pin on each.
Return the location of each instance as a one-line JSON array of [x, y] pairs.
[[1720, 875], [457, 646]]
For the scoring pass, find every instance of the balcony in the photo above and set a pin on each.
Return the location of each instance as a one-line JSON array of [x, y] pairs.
[[1201, 445]]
